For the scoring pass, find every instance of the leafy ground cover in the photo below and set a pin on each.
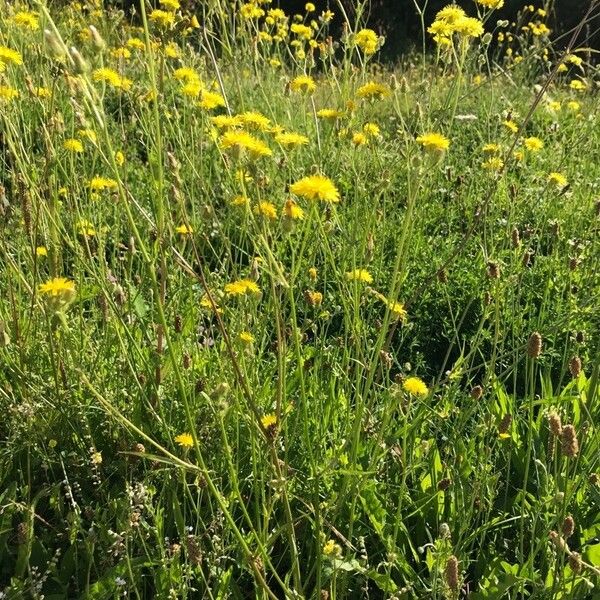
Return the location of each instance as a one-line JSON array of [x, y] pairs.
[[280, 321]]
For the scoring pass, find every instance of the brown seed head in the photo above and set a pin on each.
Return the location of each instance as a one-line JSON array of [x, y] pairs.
[[504, 425], [568, 527], [493, 270], [515, 238], [575, 562], [569, 443], [555, 424], [575, 366], [534, 345], [451, 573], [476, 392]]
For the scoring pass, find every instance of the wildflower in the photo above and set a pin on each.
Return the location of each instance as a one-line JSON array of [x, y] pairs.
[[371, 130], [246, 337], [136, 44], [88, 134], [225, 121], [373, 91], [332, 549], [312, 273], [8, 93], [492, 149], [331, 114], [171, 5], [538, 29], [361, 275], [184, 230], [533, 144], [309, 7], [415, 386], [41, 251], [59, 292], [494, 163], [569, 442], [450, 14], [367, 41], [268, 421], [249, 10], [578, 85], [316, 187], [8, 55], [85, 228], [451, 574], [302, 31], [313, 298], [111, 77], [210, 100], [73, 145], [96, 458], [304, 84], [242, 287], [240, 200], [185, 440], [574, 106], [469, 27], [119, 158], [495, 4], [42, 92], [162, 18], [27, 20], [558, 180], [291, 140], [511, 126], [97, 184], [254, 120], [237, 142], [292, 211], [359, 139], [267, 210], [434, 143]]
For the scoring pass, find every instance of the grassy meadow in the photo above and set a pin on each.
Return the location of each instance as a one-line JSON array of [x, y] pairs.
[[280, 318]]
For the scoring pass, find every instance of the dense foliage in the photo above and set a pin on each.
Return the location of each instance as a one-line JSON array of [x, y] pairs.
[[280, 321]]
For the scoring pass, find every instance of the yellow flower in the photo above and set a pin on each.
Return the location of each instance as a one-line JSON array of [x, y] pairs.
[[494, 163], [578, 85], [302, 31], [26, 19], [73, 145], [310, 7], [313, 298], [98, 184], [533, 144], [469, 27], [184, 230], [373, 91], [8, 93], [332, 549], [304, 84], [171, 5], [312, 273], [246, 337], [367, 41], [185, 440], [254, 120], [242, 287], [111, 77], [434, 142], [359, 139], [291, 140], [42, 92], [495, 4], [236, 142], [371, 129], [251, 11], [162, 18], [136, 44], [225, 121], [8, 55], [492, 149], [86, 228], [210, 100], [573, 106], [41, 251], [89, 134], [316, 187], [119, 158], [415, 386], [292, 211], [59, 287], [450, 14], [267, 210], [269, 421], [121, 53], [557, 179], [361, 275], [330, 114]]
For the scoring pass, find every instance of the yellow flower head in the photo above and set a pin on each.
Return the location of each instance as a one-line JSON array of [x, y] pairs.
[[494, 4], [291, 140], [8, 55], [269, 421], [26, 19], [246, 337], [242, 287], [292, 211], [316, 187], [415, 386], [97, 184], [304, 84], [185, 440], [184, 230], [373, 91], [361, 275], [533, 144], [162, 18], [367, 40], [267, 210], [73, 145], [58, 292], [238, 142], [434, 142], [557, 179]]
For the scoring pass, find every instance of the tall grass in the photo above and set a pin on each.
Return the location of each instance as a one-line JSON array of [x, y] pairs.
[[359, 361]]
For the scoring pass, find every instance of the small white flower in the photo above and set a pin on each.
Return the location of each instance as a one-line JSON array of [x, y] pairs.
[[120, 581]]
